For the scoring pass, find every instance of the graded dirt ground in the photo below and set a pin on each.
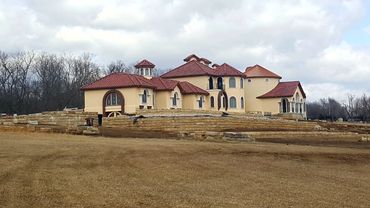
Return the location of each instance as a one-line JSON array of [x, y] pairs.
[[56, 170]]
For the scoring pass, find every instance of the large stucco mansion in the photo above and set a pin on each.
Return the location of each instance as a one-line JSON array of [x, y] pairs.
[[195, 85]]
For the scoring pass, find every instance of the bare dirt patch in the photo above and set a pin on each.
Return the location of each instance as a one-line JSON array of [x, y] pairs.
[[55, 170]]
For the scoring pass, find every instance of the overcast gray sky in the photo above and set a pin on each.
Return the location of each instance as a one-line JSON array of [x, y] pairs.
[[325, 43]]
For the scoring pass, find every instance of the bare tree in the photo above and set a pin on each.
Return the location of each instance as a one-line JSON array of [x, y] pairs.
[[118, 66], [80, 71], [349, 106], [14, 71]]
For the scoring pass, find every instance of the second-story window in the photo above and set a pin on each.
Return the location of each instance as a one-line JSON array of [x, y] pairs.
[[210, 80], [219, 83], [232, 82]]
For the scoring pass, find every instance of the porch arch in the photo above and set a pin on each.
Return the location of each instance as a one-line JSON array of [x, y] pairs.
[[284, 105], [220, 101], [119, 95]]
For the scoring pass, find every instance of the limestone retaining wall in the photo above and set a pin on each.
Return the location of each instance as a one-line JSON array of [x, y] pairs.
[[52, 121], [208, 123]]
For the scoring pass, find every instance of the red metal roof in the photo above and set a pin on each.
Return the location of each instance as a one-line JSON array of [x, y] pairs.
[[259, 71], [187, 88], [227, 70], [284, 89], [164, 84], [195, 68], [189, 69], [124, 80], [145, 64], [119, 80]]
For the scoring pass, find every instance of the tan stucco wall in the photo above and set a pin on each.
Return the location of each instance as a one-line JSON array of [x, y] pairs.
[[192, 102], [255, 88], [271, 105], [163, 99], [188, 101], [199, 81], [94, 100]]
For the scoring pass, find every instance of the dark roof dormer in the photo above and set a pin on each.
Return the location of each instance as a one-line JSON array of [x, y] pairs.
[[192, 57], [214, 66], [205, 61]]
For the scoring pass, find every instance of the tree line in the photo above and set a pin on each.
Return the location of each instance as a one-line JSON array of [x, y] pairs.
[[34, 82], [353, 109]]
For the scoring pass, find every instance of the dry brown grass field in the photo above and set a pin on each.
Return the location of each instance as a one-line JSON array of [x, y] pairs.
[[56, 170]]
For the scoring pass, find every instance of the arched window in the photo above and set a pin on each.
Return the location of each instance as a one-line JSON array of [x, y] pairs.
[[113, 99], [212, 102], [219, 83], [174, 99], [232, 102], [242, 102], [144, 96], [242, 82], [232, 82], [210, 80], [200, 101]]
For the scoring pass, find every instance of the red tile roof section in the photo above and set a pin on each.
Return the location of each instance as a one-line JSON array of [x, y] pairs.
[[145, 64], [123, 80], [227, 70], [119, 80], [195, 68], [259, 71], [187, 88], [284, 89], [189, 69], [164, 84]]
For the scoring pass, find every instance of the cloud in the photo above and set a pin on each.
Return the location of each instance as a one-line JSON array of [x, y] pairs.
[[300, 40], [332, 90]]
